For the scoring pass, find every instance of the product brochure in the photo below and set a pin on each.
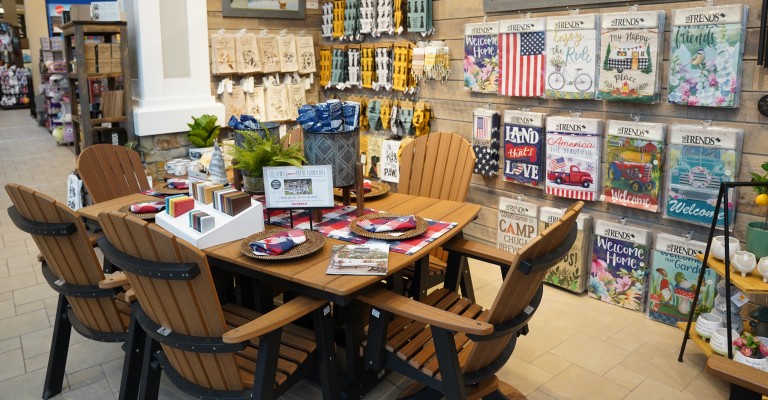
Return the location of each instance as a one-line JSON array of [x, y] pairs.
[[359, 259]]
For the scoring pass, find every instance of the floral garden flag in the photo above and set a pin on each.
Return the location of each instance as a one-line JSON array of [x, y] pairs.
[[518, 224], [572, 44], [573, 157], [619, 264], [699, 158], [673, 280], [706, 48], [571, 272], [481, 57], [630, 44], [523, 147], [485, 141], [522, 59], [633, 160]]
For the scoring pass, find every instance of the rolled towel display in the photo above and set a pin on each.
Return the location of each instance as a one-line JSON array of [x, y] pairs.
[[148, 207], [388, 224], [279, 243], [178, 184]]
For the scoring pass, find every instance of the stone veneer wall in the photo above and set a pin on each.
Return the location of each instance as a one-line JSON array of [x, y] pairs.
[[158, 149]]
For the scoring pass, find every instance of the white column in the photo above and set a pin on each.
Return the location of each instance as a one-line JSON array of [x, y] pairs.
[[168, 42]]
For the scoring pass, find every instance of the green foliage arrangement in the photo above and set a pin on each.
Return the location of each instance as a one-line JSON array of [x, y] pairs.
[[259, 151], [203, 131]]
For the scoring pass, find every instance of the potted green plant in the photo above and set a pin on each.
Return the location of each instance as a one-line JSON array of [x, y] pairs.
[[203, 131], [258, 151], [757, 231]]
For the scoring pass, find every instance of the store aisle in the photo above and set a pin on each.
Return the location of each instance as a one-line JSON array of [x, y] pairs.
[[578, 348]]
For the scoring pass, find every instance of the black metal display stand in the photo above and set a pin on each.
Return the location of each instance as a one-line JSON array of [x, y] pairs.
[[723, 193]]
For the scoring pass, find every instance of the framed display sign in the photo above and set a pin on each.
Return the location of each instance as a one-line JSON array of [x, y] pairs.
[[293, 9], [310, 186]]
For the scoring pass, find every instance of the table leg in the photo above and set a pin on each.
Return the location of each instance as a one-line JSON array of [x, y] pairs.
[[420, 276], [358, 380]]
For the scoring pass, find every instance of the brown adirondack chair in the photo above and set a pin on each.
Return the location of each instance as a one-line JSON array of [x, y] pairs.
[[451, 345], [747, 383], [71, 267], [110, 171], [438, 165], [209, 350]]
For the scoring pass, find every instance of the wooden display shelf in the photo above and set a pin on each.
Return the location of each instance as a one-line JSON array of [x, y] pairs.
[[93, 27], [73, 75], [749, 285], [96, 121], [702, 344]]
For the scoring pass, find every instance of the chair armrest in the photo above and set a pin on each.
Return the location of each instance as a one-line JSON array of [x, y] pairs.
[[399, 305], [114, 280], [275, 319], [738, 374], [93, 237], [479, 251]]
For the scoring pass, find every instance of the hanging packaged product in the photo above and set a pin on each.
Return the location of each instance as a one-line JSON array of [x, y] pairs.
[[305, 48], [385, 113], [523, 147], [706, 53], [248, 56], [234, 102], [383, 63], [572, 43], [367, 63], [298, 97], [518, 224], [421, 117], [699, 159], [325, 65], [485, 141], [254, 103], [384, 17], [401, 65], [338, 66], [373, 156], [352, 19], [339, 9], [405, 117], [634, 161], [619, 264], [390, 166], [367, 17], [420, 16], [286, 48], [673, 280], [224, 54], [572, 272], [270, 55], [277, 103], [481, 57], [573, 157], [353, 65], [397, 16], [326, 29], [522, 61], [373, 112], [630, 43]]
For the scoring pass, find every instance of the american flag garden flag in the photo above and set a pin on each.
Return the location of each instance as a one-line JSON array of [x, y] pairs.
[[521, 59]]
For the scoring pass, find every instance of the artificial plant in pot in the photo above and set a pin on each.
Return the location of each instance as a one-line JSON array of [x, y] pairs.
[[203, 131], [757, 231], [258, 151], [751, 350]]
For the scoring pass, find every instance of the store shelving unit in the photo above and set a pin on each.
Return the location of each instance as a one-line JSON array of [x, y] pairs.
[[94, 129]]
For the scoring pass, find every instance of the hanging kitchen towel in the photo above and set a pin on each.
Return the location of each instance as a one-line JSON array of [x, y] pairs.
[[305, 48], [633, 161], [572, 44], [298, 97], [522, 60], [518, 224], [248, 57], [619, 264], [572, 272], [277, 103], [485, 141], [573, 157], [270, 55], [254, 104], [286, 48], [481, 57], [673, 280], [630, 43], [700, 158], [706, 51], [223, 54], [234, 103], [523, 147]]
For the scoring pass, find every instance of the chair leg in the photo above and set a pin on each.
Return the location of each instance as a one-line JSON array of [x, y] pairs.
[[132, 364], [326, 353], [467, 289], [445, 349], [741, 393], [149, 388], [57, 359], [266, 365]]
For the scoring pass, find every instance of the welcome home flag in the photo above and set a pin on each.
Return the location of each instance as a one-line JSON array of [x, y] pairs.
[[522, 59], [573, 157], [523, 147], [630, 44], [481, 57], [572, 43]]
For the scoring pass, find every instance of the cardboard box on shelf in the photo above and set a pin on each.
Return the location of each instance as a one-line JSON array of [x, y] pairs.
[[116, 66], [105, 66], [115, 50], [80, 12], [90, 67], [90, 51], [104, 51]]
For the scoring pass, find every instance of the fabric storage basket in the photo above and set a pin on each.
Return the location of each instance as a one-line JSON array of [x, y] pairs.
[[272, 127], [338, 149]]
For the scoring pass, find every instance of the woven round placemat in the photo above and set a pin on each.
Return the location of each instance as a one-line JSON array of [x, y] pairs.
[[421, 227], [377, 189], [164, 189], [315, 241], [146, 216]]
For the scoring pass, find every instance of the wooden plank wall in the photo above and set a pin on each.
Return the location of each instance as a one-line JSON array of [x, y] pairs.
[[453, 106]]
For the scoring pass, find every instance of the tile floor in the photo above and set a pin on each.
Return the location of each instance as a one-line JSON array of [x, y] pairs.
[[578, 348]]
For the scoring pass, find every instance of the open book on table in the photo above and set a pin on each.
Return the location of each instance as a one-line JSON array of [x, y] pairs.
[[359, 259]]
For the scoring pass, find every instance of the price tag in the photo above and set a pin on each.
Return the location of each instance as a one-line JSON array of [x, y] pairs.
[[164, 331], [739, 299]]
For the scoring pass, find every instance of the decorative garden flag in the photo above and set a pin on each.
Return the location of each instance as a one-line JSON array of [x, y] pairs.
[[572, 44], [523, 147], [481, 57], [706, 49], [573, 157], [701, 157], [673, 280], [390, 167], [630, 44], [518, 224], [571, 272], [619, 264], [633, 160], [485, 141], [522, 59]]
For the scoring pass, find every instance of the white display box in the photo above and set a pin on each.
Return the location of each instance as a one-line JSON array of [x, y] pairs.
[[228, 228]]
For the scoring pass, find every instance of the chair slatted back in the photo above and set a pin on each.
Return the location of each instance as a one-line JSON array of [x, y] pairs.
[[518, 288], [438, 165], [110, 171], [189, 307], [71, 258]]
